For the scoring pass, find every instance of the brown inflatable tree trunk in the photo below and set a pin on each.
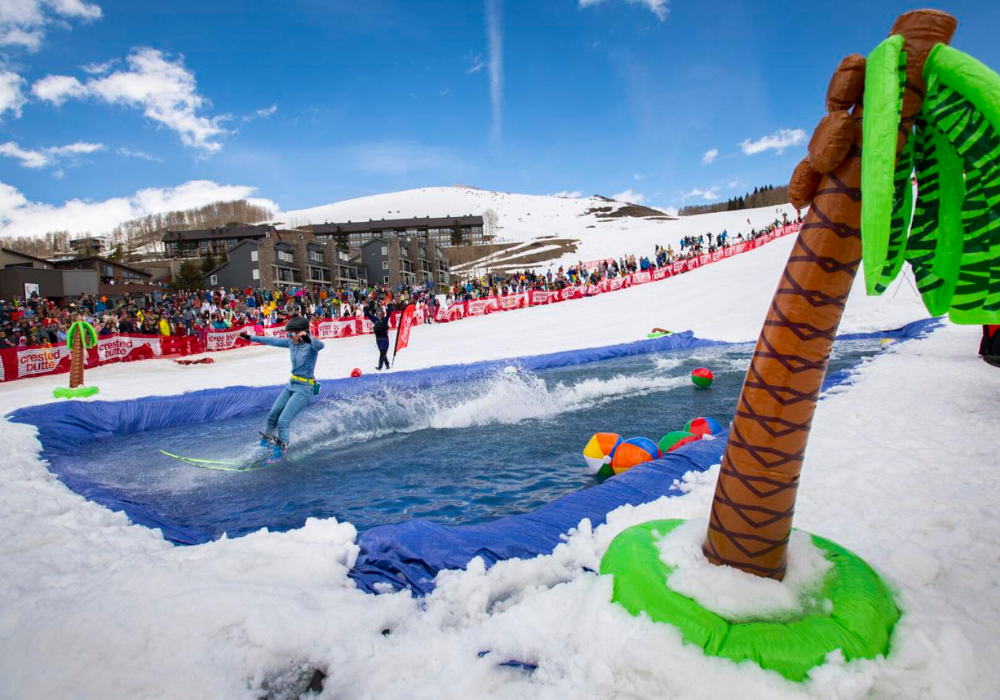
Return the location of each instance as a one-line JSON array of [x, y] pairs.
[[76, 356], [76, 360], [755, 496]]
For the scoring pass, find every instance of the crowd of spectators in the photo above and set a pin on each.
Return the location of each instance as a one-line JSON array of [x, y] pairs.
[[37, 322], [498, 284]]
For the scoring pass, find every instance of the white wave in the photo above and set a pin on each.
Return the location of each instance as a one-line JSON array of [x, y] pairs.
[[495, 401]]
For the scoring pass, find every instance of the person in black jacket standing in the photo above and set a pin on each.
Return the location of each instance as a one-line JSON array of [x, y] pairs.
[[380, 326]]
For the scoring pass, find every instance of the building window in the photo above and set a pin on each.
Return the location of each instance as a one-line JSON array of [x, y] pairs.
[[385, 264], [285, 257], [385, 250], [256, 274], [316, 257], [213, 280], [385, 279], [253, 255]]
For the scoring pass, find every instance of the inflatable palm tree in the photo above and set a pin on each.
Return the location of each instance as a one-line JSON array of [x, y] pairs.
[[928, 108], [80, 336], [916, 105]]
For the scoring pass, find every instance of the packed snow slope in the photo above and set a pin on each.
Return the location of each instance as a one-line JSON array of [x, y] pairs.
[[523, 218], [901, 469]]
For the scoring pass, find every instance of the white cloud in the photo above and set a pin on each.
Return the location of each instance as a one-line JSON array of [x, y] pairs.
[[58, 88], [165, 90], [628, 196], [29, 159], [11, 97], [660, 8], [262, 113], [710, 155], [494, 36], [142, 155], [50, 156], [23, 22], [400, 158], [99, 68], [779, 141], [477, 64], [708, 195], [638, 176], [22, 217], [575, 194]]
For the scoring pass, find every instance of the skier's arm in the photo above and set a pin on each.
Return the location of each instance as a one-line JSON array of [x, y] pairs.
[[264, 340], [316, 343]]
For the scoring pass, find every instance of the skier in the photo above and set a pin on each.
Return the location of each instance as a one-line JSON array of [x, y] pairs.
[[301, 387]]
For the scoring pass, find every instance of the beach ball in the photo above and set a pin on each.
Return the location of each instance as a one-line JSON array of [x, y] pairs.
[[355, 372], [600, 450], [632, 452], [703, 426], [676, 438], [510, 371], [702, 377]]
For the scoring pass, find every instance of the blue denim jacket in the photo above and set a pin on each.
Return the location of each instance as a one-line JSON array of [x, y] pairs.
[[303, 355]]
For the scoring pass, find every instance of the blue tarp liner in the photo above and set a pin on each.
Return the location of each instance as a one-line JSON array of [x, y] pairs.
[[409, 553]]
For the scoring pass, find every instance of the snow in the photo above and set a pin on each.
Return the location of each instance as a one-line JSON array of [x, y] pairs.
[[900, 469], [734, 594]]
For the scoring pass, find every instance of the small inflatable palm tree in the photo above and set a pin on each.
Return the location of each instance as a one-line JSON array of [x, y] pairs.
[[81, 335]]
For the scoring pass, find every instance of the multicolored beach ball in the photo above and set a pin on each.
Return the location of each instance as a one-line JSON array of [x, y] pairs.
[[632, 452], [703, 426], [677, 438], [702, 377], [600, 450]]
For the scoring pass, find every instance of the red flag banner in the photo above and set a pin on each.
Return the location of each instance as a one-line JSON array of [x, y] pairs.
[[403, 330]]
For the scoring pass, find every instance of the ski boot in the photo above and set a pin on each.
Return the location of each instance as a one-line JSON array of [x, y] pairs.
[[277, 456]]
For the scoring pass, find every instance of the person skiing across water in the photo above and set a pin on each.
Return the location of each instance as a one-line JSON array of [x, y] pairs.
[[301, 386]]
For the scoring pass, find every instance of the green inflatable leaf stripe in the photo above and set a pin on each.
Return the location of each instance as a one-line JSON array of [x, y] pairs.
[[977, 290], [963, 105], [902, 203], [934, 249], [883, 107]]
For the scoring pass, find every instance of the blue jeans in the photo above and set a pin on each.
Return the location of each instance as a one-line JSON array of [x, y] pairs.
[[383, 350], [289, 404]]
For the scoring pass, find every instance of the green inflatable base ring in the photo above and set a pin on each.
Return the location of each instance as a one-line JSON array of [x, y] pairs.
[[77, 393], [860, 623]]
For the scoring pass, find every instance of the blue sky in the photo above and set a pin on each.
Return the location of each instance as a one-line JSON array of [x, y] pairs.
[[110, 109]]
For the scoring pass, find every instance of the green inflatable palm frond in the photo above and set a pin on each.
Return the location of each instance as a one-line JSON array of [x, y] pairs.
[[953, 244]]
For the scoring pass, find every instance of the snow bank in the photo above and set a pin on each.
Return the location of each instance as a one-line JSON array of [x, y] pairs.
[[735, 595]]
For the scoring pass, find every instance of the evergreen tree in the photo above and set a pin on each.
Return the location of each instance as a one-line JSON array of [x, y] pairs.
[[340, 237], [457, 234], [188, 277], [208, 263]]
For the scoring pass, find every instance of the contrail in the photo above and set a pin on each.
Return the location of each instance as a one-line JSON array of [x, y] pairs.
[[494, 35]]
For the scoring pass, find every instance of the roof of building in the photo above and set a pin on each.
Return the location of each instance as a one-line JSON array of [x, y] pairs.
[[66, 264], [395, 224], [227, 231], [11, 251]]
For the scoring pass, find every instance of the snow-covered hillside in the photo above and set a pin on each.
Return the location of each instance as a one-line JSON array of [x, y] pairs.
[[522, 218]]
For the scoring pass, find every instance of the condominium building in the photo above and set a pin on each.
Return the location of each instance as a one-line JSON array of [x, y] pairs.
[[399, 261], [445, 231]]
